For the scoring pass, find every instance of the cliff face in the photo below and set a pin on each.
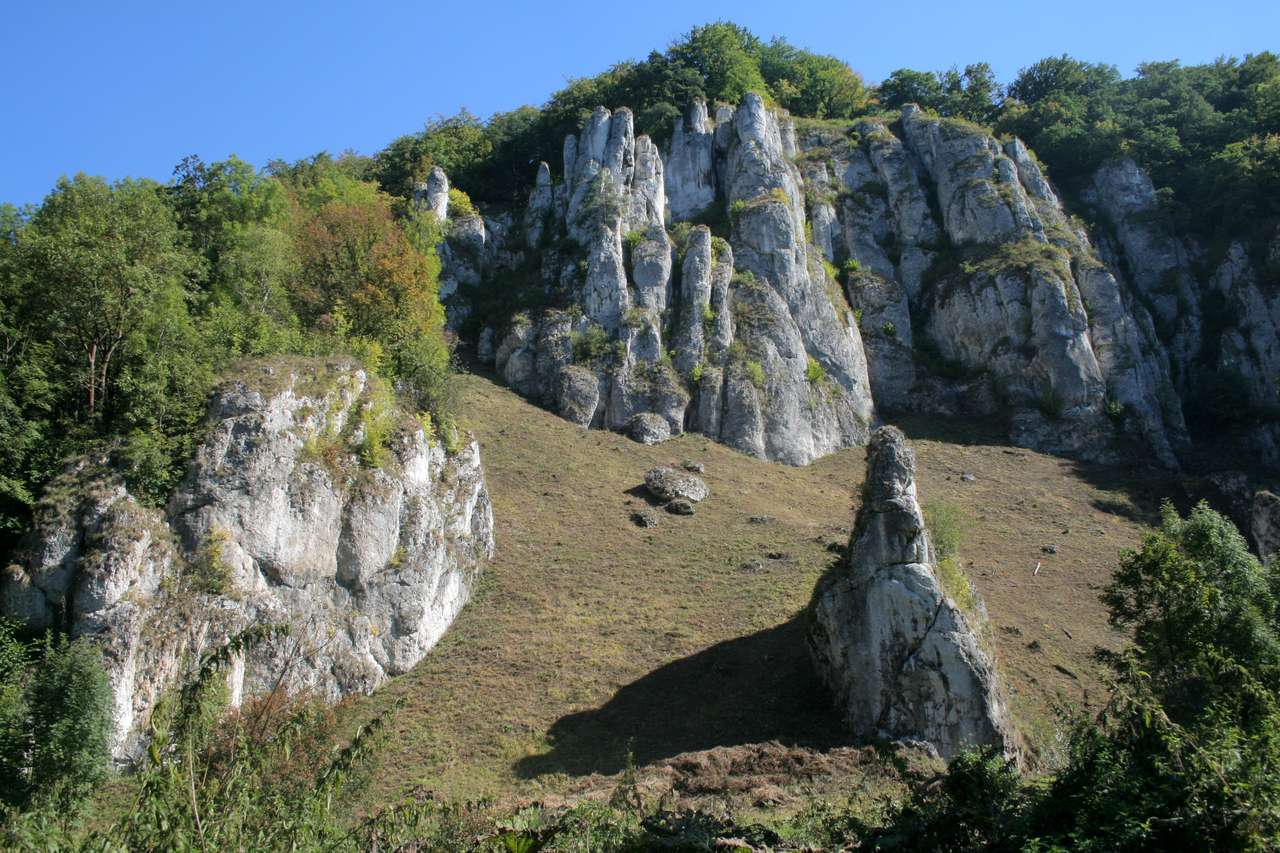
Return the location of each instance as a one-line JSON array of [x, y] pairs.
[[739, 340], [285, 518], [898, 654], [913, 264]]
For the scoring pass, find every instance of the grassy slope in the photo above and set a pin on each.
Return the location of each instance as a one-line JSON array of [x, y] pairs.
[[590, 636]]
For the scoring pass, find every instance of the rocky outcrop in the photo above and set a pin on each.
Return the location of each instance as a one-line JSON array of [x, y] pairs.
[[737, 339], [897, 652], [474, 247], [997, 281], [295, 512], [774, 288], [669, 484]]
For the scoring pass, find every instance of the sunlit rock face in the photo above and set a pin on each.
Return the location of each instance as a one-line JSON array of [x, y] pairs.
[[277, 523]]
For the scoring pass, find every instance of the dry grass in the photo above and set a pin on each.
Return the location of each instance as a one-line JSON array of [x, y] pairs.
[[590, 637]]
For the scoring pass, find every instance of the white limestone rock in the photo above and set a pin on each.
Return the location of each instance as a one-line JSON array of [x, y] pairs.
[[366, 565], [897, 653]]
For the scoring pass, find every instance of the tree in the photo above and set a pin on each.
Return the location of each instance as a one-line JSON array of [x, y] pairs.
[[1061, 75], [100, 257], [727, 57], [907, 86], [55, 720]]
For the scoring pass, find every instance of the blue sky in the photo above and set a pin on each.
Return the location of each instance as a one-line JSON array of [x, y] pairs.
[[129, 88]]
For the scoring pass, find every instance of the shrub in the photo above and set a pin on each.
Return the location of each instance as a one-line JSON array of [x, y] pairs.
[[632, 239], [755, 372], [460, 205], [635, 317], [889, 329], [377, 420], [814, 372], [737, 209], [55, 721], [590, 345], [209, 572], [946, 522], [696, 373], [1051, 404], [851, 267]]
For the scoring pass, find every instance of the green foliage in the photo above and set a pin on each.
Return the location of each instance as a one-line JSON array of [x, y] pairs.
[[814, 372], [946, 523], [755, 372], [971, 94], [456, 144], [1185, 753], [1206, 133], [460, 206], [377, 420], [590, 345], [121, 304], [55, 721], [717, 62], [209, 572], [1050, 403]]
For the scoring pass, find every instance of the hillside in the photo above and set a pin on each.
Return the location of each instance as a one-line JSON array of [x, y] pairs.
[[589, 635], [362, 502]]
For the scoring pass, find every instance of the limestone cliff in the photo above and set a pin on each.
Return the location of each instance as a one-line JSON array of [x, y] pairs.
[[898, 654], [293, 513], [739, 339], [774, 284]]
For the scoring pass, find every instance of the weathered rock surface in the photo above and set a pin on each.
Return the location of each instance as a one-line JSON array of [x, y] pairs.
[[685, 339], [281, 520], [648, 428], [829, 274], [900, 657], [669, 484], [1266, 524]]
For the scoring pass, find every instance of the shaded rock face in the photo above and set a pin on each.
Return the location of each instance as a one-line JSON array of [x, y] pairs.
[[474, 246], [276, 523], [963, 265], [1265, 525], [898, 654], [1219, 315]]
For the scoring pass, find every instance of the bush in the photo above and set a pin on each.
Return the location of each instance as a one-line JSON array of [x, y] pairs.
[[814, 372], [460, 205], [755, 372], [590, 344], [55, 721]]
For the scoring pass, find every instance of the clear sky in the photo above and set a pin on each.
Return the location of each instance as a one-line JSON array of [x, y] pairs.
[[128, 88]]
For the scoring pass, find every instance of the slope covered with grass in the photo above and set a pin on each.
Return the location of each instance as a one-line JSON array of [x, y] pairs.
[[592, 639]]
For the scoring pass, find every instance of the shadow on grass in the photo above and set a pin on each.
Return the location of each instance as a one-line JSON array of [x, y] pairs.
[[751, 689], [643, 493]]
